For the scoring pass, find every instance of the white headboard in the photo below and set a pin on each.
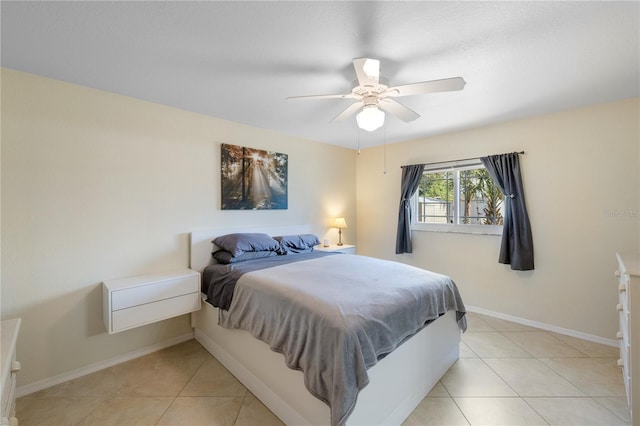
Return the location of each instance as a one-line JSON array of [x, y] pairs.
[[201, 245]]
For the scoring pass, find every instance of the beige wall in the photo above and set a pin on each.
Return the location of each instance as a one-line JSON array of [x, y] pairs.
[[582, 185], [98, 186]]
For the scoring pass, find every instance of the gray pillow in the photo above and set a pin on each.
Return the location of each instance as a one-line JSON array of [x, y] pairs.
[[225, 257], [301, 243], [236, 244]]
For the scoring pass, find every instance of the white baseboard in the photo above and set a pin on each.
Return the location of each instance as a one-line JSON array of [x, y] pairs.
[[101, 365], [543, 326]]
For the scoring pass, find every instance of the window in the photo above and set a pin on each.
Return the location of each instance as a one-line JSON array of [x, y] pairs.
[[456, 197]]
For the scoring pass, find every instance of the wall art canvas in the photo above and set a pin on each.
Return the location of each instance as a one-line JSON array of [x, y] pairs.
[[253, 179]]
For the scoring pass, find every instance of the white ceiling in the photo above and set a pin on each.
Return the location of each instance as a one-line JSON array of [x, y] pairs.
[[240, 60]]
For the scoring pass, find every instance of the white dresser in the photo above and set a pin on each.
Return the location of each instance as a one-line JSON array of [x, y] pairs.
[[628, 274], [136, 301], [10, 368]]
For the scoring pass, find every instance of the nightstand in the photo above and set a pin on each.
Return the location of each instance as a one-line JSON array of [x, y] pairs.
[[136, 301], [334, 248]]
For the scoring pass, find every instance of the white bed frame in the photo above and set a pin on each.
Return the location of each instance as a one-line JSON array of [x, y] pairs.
[[397, 383]]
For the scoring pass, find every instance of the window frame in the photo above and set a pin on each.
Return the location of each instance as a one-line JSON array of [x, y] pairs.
[[456, 167]]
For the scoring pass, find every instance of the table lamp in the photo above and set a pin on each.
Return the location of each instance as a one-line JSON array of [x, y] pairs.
[[340, 224]]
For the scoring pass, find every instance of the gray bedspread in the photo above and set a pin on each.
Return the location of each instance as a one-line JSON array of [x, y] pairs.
[[219, 281], [334, 317]]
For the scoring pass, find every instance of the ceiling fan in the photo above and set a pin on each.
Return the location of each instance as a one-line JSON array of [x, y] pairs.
[[374, 97]]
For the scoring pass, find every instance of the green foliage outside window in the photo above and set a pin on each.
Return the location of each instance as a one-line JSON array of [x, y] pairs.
[[480, 200]]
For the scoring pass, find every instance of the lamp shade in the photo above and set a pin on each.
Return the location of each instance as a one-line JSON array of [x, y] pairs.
[[370, 118], [340, 223]]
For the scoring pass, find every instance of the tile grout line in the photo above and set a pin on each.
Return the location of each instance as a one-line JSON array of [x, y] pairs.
[[110, 397], [454, 401], [514, 390], [166, 410], [585, 355], [607, 408], [244, 399], [180, 391]]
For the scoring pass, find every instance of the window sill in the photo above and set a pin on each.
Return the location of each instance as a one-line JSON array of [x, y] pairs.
[[459, 229]]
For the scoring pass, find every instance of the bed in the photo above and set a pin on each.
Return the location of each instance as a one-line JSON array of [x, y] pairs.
[[394, 383]]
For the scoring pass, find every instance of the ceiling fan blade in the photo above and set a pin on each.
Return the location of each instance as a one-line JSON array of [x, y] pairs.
[[433, 86], [340, 96], [367, 71], [397, 109], [351, 109]]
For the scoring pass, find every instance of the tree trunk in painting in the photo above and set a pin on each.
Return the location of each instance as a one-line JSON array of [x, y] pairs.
[[253, 178]]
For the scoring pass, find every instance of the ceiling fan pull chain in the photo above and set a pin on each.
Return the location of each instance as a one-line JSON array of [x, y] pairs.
[[384, 150]]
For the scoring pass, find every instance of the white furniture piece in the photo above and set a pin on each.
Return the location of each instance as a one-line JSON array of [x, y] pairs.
[[397, 383], [136, 301], [628, 274], [10, 368], [334, 248]]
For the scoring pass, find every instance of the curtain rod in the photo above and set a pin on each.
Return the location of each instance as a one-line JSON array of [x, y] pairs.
[[452, 161]]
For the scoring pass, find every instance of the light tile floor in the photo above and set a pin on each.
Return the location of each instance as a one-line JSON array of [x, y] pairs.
[[507, 374]]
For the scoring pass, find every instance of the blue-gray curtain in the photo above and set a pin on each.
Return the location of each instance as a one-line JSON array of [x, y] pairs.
[[411, 176], [517, 243]]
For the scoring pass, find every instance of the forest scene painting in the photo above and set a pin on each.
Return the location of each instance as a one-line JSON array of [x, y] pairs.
[[253, 179]]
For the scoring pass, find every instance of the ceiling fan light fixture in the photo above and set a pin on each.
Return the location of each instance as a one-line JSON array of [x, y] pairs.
[[370, 118], [371, 68]]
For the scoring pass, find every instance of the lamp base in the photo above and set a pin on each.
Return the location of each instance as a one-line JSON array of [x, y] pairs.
[[340, 236]]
